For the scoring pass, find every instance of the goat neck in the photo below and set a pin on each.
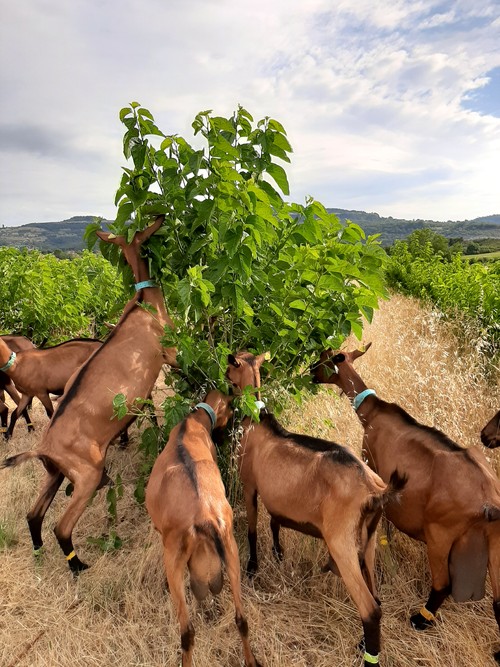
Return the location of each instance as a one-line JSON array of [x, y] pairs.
[[151, 295], [7, 357], [214, 412]]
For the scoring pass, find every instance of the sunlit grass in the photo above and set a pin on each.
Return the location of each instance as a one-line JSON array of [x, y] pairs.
[[119, 611]]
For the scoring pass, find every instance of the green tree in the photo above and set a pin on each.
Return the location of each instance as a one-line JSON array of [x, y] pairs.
[[240, 266]]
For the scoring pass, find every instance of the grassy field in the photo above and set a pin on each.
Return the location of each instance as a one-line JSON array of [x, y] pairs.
[[119, 611], [485, 255]]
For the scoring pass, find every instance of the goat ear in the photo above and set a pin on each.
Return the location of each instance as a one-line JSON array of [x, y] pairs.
[[144, 235], [231, 359], [359, 353]]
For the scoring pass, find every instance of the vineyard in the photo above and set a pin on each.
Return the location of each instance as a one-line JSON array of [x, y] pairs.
[[50, 300], [468, 293]]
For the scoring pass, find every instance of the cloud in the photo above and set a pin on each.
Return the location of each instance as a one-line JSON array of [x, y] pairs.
[[374, 97]]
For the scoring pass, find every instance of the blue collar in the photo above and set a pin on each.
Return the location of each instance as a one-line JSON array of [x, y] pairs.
[[145, 283], [359, 398], [209, 410], [12, 358]]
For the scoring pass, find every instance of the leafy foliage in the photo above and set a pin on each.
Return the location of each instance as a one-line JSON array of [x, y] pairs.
[[455, 286], [241, 267], [46, 298]]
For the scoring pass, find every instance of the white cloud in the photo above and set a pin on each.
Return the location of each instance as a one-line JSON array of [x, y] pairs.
[[370, 96]]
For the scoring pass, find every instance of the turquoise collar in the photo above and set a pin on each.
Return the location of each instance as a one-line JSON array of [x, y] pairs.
[[209, 410], [12, 358], [359, 398], [145, 283]]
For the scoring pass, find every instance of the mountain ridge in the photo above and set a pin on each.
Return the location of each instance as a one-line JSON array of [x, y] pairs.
[[66, 235]]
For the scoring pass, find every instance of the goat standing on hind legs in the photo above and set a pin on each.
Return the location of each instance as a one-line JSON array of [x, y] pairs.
[[77, 438], [452, 498], [318, 488], [187, 503]]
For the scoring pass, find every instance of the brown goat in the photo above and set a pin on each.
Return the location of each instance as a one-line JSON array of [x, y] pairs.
[[77, 438], [452, 498], [490, 435], [316, 487], [40, 372], [187, 503], [16, 344]]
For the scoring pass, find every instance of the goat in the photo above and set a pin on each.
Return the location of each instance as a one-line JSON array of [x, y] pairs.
[[16, 344], [39, 372], [316, 487], [490, 435], [187, 503], [452, 498], [83, 425]]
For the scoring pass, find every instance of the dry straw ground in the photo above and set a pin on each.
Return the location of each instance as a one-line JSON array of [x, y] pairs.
[[119, 611]]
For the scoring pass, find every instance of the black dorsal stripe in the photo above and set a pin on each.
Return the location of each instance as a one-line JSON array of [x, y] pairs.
[[185, 458]]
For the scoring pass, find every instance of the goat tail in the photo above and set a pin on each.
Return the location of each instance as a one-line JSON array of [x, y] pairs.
[[13, 461], [205, 563], [397, 483]]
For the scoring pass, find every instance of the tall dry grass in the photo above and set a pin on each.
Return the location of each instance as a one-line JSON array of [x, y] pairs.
[[119, 611]]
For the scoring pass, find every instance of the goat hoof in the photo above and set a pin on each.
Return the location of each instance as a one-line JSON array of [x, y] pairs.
[[76, 566], [278, 553], [251, 569], [105, 481], [418, 622], [497, 656]]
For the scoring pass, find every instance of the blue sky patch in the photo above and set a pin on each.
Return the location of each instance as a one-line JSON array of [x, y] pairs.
[[486, 100]]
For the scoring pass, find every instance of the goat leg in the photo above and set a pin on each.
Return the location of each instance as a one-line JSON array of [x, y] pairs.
[[20, 409], [425, 617], [277, 548], [251, 506], [35, 517], [369, 609], [233, 573], [4, 413], [494, 570], [84, 486], [11, 390], [175, 562], [438, 555]]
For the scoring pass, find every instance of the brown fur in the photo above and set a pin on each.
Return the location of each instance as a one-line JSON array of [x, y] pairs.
[[490, 435], [318, 488], [83, 424], [16, 344], [186, 500], [452, 497], [40, 372]]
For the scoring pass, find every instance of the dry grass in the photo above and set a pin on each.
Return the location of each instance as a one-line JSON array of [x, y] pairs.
[[120, 612]]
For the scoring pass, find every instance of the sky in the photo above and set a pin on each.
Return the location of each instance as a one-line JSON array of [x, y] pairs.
[[390, 106]]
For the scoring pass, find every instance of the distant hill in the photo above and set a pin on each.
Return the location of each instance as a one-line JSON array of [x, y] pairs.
[[48, 236], [68, 234], [394, 228]]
